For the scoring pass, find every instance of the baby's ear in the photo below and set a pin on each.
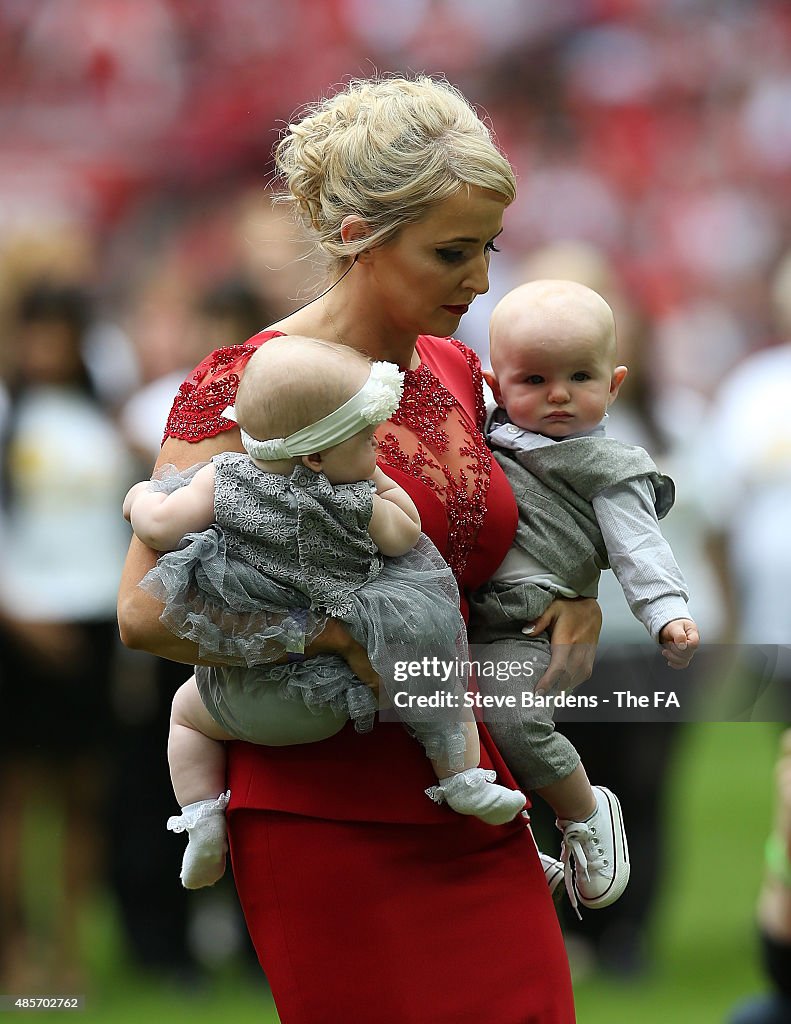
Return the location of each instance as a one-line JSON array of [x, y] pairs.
[[618, 377], [312, 462], [491, 380]]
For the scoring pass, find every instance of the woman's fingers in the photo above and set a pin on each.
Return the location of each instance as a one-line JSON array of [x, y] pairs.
[[570, 665]]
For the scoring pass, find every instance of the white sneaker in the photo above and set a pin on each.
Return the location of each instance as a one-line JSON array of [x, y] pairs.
[[601, 855], [474, 791], [554, 874], [553, 868]]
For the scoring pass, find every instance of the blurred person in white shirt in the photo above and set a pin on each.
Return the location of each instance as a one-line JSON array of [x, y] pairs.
[[64, 469]]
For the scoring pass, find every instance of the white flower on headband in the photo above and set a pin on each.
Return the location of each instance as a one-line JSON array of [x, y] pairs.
[[382, 392]]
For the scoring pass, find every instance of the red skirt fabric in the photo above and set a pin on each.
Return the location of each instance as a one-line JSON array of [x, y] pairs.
[[400, 923]]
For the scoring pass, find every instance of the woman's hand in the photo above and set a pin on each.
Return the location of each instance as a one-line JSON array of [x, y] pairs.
[[336, 639], [573, 626]]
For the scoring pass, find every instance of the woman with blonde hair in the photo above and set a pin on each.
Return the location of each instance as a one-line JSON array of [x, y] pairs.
[[366, 901]]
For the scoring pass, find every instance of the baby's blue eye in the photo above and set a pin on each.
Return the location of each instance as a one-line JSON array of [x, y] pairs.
[[534, 378], [580, 375]]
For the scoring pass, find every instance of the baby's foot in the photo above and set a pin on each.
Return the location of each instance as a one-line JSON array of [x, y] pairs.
[[204, 858], [599, 851], [473, 791]]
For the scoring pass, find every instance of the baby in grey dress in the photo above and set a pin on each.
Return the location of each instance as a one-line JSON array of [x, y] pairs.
[[586, 502], [262, 549]]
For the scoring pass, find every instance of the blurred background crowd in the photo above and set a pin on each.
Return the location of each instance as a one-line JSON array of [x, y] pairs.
[[652, 143]]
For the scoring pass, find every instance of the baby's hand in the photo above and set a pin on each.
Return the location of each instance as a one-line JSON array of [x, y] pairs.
[[131, 496], [382, 482], [680, 640]]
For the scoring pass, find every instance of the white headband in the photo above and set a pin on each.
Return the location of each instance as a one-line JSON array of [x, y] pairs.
[[375, 402]]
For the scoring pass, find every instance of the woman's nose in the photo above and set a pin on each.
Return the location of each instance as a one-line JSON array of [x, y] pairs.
[[478, 278]]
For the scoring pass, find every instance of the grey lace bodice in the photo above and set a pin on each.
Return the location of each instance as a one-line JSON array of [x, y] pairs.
[[298, 530]]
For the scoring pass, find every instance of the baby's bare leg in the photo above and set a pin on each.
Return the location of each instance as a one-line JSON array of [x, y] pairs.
[[571, 798], [196, 754], [472, 753]]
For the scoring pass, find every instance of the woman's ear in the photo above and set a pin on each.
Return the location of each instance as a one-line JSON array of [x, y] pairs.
[[355, 229], [312, 462]]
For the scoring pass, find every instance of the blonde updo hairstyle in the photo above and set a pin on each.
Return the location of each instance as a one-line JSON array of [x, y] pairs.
[[292, 382], [387, 150]]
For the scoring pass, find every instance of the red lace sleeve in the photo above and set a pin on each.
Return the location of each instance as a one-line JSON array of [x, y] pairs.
[[476, 371], [197, 408]]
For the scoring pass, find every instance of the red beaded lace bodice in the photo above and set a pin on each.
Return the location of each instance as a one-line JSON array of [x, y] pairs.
[[432, 446]]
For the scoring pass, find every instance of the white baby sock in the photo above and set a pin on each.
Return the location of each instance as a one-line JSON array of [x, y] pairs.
[[473, 791], [204, 858]]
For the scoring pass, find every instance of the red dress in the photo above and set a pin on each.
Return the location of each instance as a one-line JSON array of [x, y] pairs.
[[367, 902]]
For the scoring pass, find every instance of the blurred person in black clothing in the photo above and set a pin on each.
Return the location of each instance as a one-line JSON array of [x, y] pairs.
[[64, 469], [155, 914]]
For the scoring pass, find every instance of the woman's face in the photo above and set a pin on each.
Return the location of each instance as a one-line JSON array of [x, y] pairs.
[[426, 277]]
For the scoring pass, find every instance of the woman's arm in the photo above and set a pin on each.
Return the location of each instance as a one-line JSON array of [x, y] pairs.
[[138, 611], [573, 626]]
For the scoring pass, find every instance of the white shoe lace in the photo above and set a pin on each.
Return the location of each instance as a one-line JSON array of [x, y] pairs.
[[580, 840]]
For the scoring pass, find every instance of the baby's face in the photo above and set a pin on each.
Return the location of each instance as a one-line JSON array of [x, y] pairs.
[[558, 383], [351, 460]]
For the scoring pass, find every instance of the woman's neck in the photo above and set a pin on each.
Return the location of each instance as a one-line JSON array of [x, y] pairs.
[[347, 316]]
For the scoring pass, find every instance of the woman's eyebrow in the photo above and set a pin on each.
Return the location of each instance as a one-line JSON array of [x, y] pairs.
[[471, 241]]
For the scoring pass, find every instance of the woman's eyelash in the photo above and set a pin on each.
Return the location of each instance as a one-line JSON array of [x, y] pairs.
[[450, 255], [454, 255]]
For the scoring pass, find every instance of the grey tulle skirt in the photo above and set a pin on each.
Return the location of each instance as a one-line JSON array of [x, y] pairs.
[[243, 622]]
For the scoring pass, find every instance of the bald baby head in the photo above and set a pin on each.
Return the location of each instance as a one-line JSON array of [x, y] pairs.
[[293, 381], [551, 313], [553, 356]]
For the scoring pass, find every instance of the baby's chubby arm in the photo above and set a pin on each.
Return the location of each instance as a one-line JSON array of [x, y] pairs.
[[160, 520], [395, 522]]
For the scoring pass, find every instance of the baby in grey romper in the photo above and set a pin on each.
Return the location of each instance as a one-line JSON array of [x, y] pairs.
[[586, 503]]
